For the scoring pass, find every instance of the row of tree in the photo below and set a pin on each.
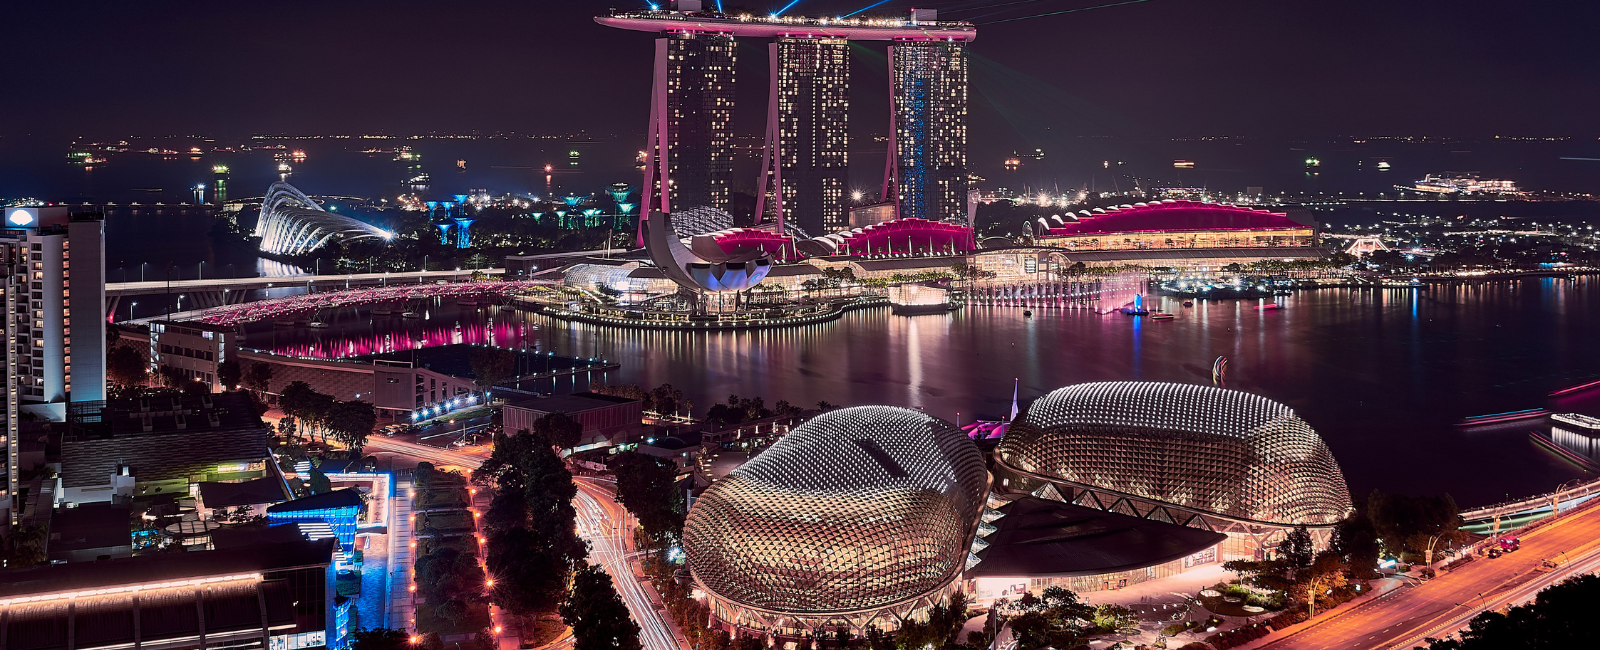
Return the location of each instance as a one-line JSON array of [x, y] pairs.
[[534, 556], [663, 399], [737, 410], [350, 422]]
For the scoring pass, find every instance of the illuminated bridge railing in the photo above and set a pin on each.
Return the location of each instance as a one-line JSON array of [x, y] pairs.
[[1515, 514], [277, 307]]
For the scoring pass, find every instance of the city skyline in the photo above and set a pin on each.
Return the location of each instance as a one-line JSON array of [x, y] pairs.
[[1149, 323]]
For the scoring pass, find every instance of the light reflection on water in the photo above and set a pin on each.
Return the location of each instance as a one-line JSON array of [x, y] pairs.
[[1382, 374]]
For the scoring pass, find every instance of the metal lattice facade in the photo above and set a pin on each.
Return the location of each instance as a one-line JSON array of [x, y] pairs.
[[857, 514], [291, 223], [1208, 449]]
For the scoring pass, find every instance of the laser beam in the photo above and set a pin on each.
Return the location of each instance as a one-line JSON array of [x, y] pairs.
[[879, 2], [1063, 11]]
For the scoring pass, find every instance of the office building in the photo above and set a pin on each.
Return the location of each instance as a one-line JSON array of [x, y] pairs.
[[51, 258]]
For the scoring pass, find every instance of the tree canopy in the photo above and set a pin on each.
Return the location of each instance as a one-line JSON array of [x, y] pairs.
[[599, 619], [1559, 617]]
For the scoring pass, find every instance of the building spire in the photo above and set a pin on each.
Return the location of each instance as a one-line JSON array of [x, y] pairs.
[[1014, 386]]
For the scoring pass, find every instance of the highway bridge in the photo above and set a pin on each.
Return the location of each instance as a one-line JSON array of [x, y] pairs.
[[216, 292]]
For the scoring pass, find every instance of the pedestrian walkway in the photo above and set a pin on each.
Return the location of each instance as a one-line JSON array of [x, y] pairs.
[[401, 611], [1162, 590]]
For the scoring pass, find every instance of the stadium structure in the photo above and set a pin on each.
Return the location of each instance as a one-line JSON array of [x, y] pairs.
[[1196, 456], [290, 223], [857, 518]]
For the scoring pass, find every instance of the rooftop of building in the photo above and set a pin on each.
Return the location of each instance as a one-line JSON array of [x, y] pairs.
[[269, 489], [572, 403], [1155, 255], [860, 28], [1168, 216], [155, 415], [1044, 537], [89, 526], [163, 567], [346, 498]]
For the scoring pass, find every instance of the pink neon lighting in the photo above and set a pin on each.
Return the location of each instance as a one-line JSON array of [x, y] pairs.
[[907, 235], [500, 334], [780, 247], [1176, 217]]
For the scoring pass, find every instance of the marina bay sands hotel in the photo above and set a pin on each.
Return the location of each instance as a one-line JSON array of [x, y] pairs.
[[804, 177]]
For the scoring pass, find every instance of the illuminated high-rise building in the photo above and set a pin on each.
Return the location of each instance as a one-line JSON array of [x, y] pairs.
[[691, 121], [689, 156], [808, 134], [55, 350], [927, 167]]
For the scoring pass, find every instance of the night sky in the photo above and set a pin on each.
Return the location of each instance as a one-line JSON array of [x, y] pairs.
[[1160, 68]]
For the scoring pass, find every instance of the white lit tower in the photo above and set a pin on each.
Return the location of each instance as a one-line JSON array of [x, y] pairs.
[[807, 140]]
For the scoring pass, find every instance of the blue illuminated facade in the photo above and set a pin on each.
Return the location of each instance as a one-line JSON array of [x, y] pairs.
[[338, 509], [929, 149]]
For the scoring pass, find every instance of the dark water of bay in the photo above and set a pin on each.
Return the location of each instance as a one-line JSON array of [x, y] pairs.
[[1382, 375]]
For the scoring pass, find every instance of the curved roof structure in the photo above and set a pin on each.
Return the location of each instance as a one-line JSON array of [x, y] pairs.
[[899, 236], [291, 223], [1220, 451], [708, 268], [1164, 216], [857, 509]]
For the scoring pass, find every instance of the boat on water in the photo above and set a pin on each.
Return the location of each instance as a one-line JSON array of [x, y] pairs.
[[1188, 303], [410, 314], [317, 324], [1161, 315], [1269, 307], [467, 302], [283, 322], [382, 311]]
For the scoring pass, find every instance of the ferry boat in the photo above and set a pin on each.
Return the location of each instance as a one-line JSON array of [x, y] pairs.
[[317, 324], [1269, 307], [382, 311], [410, 314], [1161, 315]]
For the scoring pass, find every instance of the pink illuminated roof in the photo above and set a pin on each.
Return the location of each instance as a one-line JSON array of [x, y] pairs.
[[1176, 216], [911, 233], [733, 240], [856, 29]]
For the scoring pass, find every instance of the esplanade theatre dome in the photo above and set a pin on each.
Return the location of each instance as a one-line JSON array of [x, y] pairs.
[[1225, 452], [858, 510]]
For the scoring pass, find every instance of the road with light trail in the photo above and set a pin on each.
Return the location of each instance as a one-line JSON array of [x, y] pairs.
[[1440, 607], [598, 519]]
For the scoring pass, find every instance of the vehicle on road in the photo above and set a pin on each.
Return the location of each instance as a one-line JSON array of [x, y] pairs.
[[1510, 544], [1494, 552]]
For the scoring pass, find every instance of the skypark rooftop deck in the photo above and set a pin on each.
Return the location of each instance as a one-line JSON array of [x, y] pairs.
[[857, 29]]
